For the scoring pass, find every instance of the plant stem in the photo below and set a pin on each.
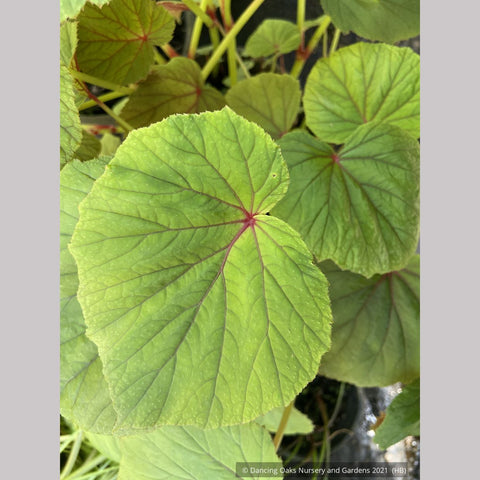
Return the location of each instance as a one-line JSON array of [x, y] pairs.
[[232, 48], [158, 58], [301, 14], [84, 77], [197, 30], [169, 51], [230, 36], [199, 12], [312, 44], [91, 462], [336, 38], [72, 458], [277, 440], [104, 98], [325, 45]]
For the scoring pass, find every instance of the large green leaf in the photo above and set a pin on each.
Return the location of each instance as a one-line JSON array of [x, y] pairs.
[[402, 417], [363, 83], [269, 99], [298, 422], [189, 453], [385, 20], [84, 393], [360, 206], [205, 310], [273, 36], [116, 41], [70, 127], [177, 87], [68, 42], [376, 326], [70, 8]]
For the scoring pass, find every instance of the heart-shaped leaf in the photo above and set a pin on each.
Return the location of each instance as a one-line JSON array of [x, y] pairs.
[[176, 87], [84, 396], [385, 20], [205, 310], [190, 453], [362, 83], [376, 326], [360, 206], [116, 41], [268, 99], [273, 36], [298, 422], [70, 127], [402, 417]]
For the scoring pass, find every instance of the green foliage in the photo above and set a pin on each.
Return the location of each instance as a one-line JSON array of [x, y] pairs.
[[298, 422], [385, 20], [360, 84], [402, 417], [89, 148], [270, 100], [273, 36], [376, 326]]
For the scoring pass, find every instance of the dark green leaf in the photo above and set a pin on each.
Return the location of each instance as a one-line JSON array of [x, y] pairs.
[[89, 147]]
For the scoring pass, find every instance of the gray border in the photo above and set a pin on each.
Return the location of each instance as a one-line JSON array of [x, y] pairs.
[[450, 238], [29, 351]]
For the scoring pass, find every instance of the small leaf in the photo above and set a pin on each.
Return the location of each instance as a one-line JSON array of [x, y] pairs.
[[363, 83], [298, 422], [84, 396], [385, 20], [376, 326], [70, 127], [107, 445], [360, 206], [116, 42], [70, 8], [175, 9], [68, 42], [268, 99], [89, 147], [189, 453], [205, 310], [402, 417], [109, 144], [273, 36], [177, 87]]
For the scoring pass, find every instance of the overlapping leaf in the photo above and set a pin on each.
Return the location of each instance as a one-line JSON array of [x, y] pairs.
[[298, 422], [205, 310], [116, 41], [84, 393], [107, 445], [360, 206], [68, 42], [89, 147], [70, 128], [268, 99], [363, 83], [70, 8], [188, 453], [177, 87], [376, 326], [385, 20], [273, 36], [402, 418]]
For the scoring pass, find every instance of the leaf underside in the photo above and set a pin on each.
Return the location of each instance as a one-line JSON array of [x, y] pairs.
[[205, 310], [268, 99], [116, 41], [359, 206], [376, 326], [298, 422], [386, 20], [360, 84], [177, 87]]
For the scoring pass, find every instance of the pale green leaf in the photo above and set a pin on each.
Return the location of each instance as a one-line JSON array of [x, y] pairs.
[[189, 453], [107, 445], [362, 83], [68, 42], [205, 310], [298, 422], [109, 144], [84, 396], [70, 8], [385, 20], [70, 128], [176, 87], [376, 326], [116, 41], [402, 417], [268, 99], [360, 206], [273, 36], [89, 147]]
